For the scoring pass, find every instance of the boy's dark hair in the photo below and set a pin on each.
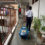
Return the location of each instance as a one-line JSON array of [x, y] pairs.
[[30, 7]]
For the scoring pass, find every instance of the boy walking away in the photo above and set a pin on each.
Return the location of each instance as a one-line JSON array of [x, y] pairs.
[[29, 17]]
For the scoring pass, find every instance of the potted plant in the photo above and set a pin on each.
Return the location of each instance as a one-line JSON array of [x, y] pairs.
[[39, 34], [43, 25], [43, 28], [37, 25]]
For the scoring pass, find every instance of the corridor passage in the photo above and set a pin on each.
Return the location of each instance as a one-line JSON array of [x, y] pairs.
[[18, 41]]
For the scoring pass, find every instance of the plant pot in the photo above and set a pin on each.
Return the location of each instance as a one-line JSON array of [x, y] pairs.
[[39, 34], [43, 32]]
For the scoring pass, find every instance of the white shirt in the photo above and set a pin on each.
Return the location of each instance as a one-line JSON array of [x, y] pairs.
[[29, 13]]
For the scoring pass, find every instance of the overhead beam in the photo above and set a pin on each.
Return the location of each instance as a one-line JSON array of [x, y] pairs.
[[8, 2]]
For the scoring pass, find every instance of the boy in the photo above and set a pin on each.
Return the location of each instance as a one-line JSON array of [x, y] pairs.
[[29, 17]]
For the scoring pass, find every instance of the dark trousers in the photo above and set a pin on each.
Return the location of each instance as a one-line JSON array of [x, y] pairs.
[[28, 22]]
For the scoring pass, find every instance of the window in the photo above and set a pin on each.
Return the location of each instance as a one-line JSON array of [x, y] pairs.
[[36, 0], [33, 1]]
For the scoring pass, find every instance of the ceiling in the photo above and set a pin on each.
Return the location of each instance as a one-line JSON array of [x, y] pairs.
[[23, 2]]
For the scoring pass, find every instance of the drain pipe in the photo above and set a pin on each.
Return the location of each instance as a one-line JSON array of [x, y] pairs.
[[38, 8]]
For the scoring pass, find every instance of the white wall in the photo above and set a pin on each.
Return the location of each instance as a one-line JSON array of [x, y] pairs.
[[42, 7], [42, 10], [35, 9]]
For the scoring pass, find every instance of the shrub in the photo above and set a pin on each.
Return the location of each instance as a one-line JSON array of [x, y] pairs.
[[43, 28], [37, 23]]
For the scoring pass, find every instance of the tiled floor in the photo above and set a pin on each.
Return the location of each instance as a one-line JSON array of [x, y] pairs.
[[18, 41]]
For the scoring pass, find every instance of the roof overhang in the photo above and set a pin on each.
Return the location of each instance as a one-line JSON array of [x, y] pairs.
[[8, 2]]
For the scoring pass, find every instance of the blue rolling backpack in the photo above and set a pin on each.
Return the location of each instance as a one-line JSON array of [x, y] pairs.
[[24, 32]]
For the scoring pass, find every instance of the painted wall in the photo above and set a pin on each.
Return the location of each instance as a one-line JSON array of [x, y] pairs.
[[42, 7], [35, 9], [41, 10]]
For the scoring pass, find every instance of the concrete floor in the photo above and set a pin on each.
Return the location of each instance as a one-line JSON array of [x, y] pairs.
[[18, 41]]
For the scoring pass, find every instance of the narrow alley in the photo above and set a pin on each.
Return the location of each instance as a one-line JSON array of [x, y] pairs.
[[18, 41], [22, 22]]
